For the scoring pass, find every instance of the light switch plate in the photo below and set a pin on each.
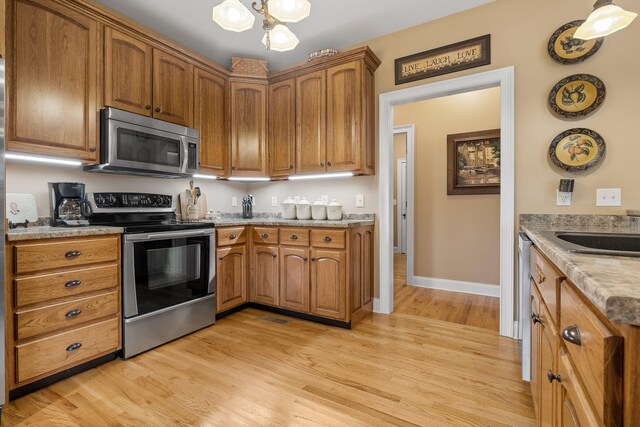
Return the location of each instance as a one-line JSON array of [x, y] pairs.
[[274, 201], [325, 199], [359, 200], [609, 197], [234, 201], [563, 199]]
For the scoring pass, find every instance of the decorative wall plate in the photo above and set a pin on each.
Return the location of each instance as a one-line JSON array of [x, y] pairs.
[[577, 149], [577, 96], [565, 49]]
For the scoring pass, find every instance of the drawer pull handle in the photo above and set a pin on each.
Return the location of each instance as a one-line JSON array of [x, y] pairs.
[[73, 254], [232, 236], [553, 377], [572, 334], [539, 275], [72, 284], [535, 318], [294, 237], [72, 313], [264, 235], [74, 346], [328, 239]]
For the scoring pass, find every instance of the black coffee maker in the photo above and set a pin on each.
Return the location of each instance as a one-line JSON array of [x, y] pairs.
[[69, 208]]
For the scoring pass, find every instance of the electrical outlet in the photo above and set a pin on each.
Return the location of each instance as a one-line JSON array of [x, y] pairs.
[[359, 200], [274, 201], [253, 201], [234, 201], [609, 197], [325, 199], [563, 199]]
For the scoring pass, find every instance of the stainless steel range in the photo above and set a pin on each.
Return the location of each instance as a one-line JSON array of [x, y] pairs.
[[168, 268]]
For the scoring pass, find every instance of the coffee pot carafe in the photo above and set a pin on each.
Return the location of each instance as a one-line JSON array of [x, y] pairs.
[[69, 208]]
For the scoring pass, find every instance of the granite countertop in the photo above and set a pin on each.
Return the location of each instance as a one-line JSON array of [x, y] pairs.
[[611, 283], [277, 220], [48, 232]]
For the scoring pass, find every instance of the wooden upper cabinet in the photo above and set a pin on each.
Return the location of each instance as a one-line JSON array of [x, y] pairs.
[[52, 80], [282, 128], [248, 129], [311, 119], [127, 73], [344, 110], [210, 118], [172, 88]]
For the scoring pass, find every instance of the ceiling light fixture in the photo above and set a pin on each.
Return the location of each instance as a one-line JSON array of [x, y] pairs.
[[605, 19], [232, 15]]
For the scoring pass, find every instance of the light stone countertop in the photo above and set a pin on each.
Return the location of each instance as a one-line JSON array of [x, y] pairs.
[[611, 283], [279, 222], [48, 232]]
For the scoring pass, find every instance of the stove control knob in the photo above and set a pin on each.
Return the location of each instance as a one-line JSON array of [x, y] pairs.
[[111, 200], [157, 201], [167, 201], [100, 200]]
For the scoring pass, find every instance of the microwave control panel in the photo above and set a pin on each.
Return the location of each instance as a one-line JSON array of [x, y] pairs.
[[132, 200]]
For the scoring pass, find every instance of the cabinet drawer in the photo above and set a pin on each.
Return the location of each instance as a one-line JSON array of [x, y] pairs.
[[328, 239], [62, 254], [596, 353], [70, 348], [231, 236], [294, 236], [30, 323], [36, 289], [548, 280], [265, 235]]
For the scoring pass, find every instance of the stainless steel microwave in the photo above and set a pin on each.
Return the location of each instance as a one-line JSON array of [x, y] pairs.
[[139, 145]]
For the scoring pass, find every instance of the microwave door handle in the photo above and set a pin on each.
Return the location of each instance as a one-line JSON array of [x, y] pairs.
[[185, 153]]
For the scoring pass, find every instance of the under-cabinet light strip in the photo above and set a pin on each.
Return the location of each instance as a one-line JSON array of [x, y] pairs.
[[36, 159], [200, 176], [249, 178], [321, 176]]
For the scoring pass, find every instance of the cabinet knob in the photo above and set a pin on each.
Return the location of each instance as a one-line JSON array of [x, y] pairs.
[[313, 259], [72, 284], [74, 346], [148, 107], [553, 377], [72, 313], [274, 255], [321, 163], [221, 258], [232, 236], [233, 168], [264, 235], [535, 318], [158, 109], [304, 258], [73, 254], [328, 163], [290, 166], [293, 237], [572, 334], [328, 239], [92, 149]]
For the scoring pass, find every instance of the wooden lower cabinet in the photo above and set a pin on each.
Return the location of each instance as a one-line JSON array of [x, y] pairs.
[[265, 282], [231, 274], [328, 284], [294, 279]]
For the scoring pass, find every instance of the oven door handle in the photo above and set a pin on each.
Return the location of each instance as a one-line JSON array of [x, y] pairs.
[[167, 235]]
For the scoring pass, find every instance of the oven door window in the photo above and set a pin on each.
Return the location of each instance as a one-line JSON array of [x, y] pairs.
[[170, 272], [141, 147]]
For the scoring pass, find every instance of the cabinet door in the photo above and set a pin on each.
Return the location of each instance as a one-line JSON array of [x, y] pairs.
[[367, 267], [248, 129], [264, 276], [210, 119], [52, 80], [231, 277], [282, 128], [548, 343], [311, 119], [127, 72], [368, 131], [574, 409], [172, 88], [328, 284], [344, 110], [360, 273], [294, 279], [535, 349]]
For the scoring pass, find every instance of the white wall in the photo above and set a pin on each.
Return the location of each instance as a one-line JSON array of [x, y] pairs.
[[32, 178]]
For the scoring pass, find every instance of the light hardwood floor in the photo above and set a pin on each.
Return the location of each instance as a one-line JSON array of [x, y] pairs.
[[465, 309], [251, 370]]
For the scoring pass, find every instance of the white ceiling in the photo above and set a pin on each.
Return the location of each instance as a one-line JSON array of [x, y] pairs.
[[333, 23]]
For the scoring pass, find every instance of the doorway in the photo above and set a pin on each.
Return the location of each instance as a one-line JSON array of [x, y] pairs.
[[401, 211], [502, 78]]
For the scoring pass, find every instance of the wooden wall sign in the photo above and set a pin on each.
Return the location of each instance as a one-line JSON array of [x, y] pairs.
[[459, 56]]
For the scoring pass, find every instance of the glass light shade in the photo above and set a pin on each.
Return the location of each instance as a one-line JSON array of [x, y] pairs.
[[289, 10], [233, 16], [282, 39], [603, 21]]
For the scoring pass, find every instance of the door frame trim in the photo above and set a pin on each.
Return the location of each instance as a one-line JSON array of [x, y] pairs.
[[503, 78], [402, 238], [410, 130]]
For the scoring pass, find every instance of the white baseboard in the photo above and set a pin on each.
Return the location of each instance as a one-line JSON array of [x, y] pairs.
[[396, 249], [456, 286], [376, 305]]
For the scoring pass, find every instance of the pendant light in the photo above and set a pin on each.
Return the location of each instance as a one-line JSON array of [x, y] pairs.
[[232, 15], [605, 19]]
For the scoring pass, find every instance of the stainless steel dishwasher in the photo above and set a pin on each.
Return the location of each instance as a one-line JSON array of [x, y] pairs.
[[524, 306]]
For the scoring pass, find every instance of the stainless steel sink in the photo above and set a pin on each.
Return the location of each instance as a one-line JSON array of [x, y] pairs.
[[596, 243]]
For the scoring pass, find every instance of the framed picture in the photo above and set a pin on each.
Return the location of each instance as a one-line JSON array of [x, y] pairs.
[[21, 208], [473, 162]]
